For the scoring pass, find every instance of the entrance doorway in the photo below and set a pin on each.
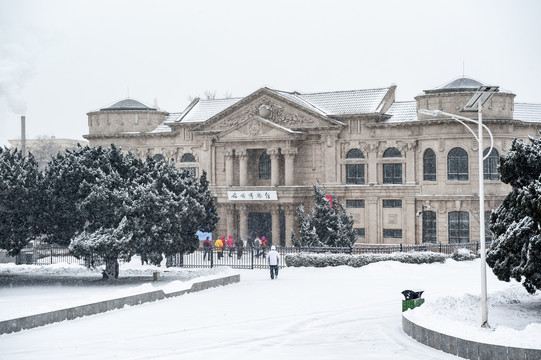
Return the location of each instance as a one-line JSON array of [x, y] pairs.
[[259, 224]]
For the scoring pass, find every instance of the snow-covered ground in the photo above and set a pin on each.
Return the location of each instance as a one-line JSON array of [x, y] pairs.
[[316, 313]]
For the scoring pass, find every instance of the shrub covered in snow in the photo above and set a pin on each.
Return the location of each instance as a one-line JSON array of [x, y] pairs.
[[463, 255], [323, 260]]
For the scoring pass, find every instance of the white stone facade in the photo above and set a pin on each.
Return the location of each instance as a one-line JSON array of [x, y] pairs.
[[379, 157]]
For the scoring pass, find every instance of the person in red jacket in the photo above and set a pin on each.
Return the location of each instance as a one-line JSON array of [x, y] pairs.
[[230, 245], [263, 245]]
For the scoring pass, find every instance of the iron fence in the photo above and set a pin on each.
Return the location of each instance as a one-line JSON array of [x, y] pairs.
[[52, 254], [243, 258]]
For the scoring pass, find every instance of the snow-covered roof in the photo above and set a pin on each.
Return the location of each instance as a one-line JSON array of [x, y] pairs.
[[127, 104], [402, 111], [347, 102], [324, 103], [527, 112], [203, 110], [162, 128]]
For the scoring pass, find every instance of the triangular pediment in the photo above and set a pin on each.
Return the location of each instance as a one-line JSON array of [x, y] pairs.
[[257, 128], [271, 106]]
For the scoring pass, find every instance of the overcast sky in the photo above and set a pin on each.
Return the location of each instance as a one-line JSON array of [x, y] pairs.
[[62, 59]]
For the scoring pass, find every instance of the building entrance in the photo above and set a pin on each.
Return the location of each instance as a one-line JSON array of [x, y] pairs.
[[259, 224]]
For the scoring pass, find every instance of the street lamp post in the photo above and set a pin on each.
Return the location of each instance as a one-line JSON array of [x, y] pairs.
[[483, 94]]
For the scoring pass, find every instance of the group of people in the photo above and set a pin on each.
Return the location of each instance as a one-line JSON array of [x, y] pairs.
[[260, 244], [221, 245]]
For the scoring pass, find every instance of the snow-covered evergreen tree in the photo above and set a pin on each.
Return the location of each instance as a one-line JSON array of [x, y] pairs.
[[148, 208], [19, 200], [516, 224], [110, 244], [307, 232], [328, 224]]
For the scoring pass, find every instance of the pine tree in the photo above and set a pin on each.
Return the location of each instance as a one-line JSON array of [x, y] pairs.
[[328, 224], [20, 182], [516, 249], [307, 232]]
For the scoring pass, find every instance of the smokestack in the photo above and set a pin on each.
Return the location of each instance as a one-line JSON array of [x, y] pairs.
[[23, 135]]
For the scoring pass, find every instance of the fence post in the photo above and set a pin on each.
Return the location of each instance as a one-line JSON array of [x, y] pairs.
[[440, 247], [252, 258], [400, 247], [211, 257]]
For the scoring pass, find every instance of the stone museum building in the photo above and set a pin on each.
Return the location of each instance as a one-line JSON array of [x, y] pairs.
[[405, 177]]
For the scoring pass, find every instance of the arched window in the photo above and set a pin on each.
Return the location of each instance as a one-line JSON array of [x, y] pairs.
[[355, 172], [264, 166], [392, 152], [457, 164], [490, 165], [188, 157], [159, 157], [392, 173], [459, 227], [429, 165], [429, 226]]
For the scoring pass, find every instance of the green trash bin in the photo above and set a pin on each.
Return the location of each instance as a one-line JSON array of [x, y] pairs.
[[413, 299]]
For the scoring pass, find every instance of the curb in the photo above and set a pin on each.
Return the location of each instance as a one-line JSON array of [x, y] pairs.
[[33, 321], [466, 349]]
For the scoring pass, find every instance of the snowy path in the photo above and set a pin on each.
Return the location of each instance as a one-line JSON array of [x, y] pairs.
[[307, 313]]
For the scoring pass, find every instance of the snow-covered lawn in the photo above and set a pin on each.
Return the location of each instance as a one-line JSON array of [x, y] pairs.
[[313, 313]]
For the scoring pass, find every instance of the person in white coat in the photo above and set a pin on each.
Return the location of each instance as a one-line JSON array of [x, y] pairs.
[[274, 259]]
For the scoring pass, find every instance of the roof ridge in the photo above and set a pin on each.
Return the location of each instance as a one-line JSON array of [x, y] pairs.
[[344, 91], [296, 95]]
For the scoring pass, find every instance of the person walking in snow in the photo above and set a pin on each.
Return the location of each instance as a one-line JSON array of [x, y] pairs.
[[219, 245], [239, 244], [206, 248], [273, 259], [230, 245], [257, 245], [263, 245]]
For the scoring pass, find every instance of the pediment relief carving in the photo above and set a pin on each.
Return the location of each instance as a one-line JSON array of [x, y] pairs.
[[271, 110], [255, 128]]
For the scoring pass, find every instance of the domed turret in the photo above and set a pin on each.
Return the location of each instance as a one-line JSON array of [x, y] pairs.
[[454, 95], [124, 116]]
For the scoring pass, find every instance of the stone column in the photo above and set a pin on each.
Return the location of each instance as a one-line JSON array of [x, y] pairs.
[[289, 155], [372, 163], [229, 166], [408, 222], [410, 162], [243, 222], [275, 212], [328, 147], [274, 154], [374, 234], [289, 212], [243, 166], [229, 210]]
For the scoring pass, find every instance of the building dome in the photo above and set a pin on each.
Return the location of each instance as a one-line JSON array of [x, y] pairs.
[[127, 104], [457, 85]]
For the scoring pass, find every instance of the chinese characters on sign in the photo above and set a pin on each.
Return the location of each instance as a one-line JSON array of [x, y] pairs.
[[252, 195]]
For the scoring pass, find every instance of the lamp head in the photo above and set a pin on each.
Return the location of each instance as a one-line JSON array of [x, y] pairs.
[[430, 112]]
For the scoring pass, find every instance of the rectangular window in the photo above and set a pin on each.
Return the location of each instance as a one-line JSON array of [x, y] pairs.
[[392, 203], [459, 227], [392, 233], [357, 203], [359, 232], [392, 173], [355, 174]]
